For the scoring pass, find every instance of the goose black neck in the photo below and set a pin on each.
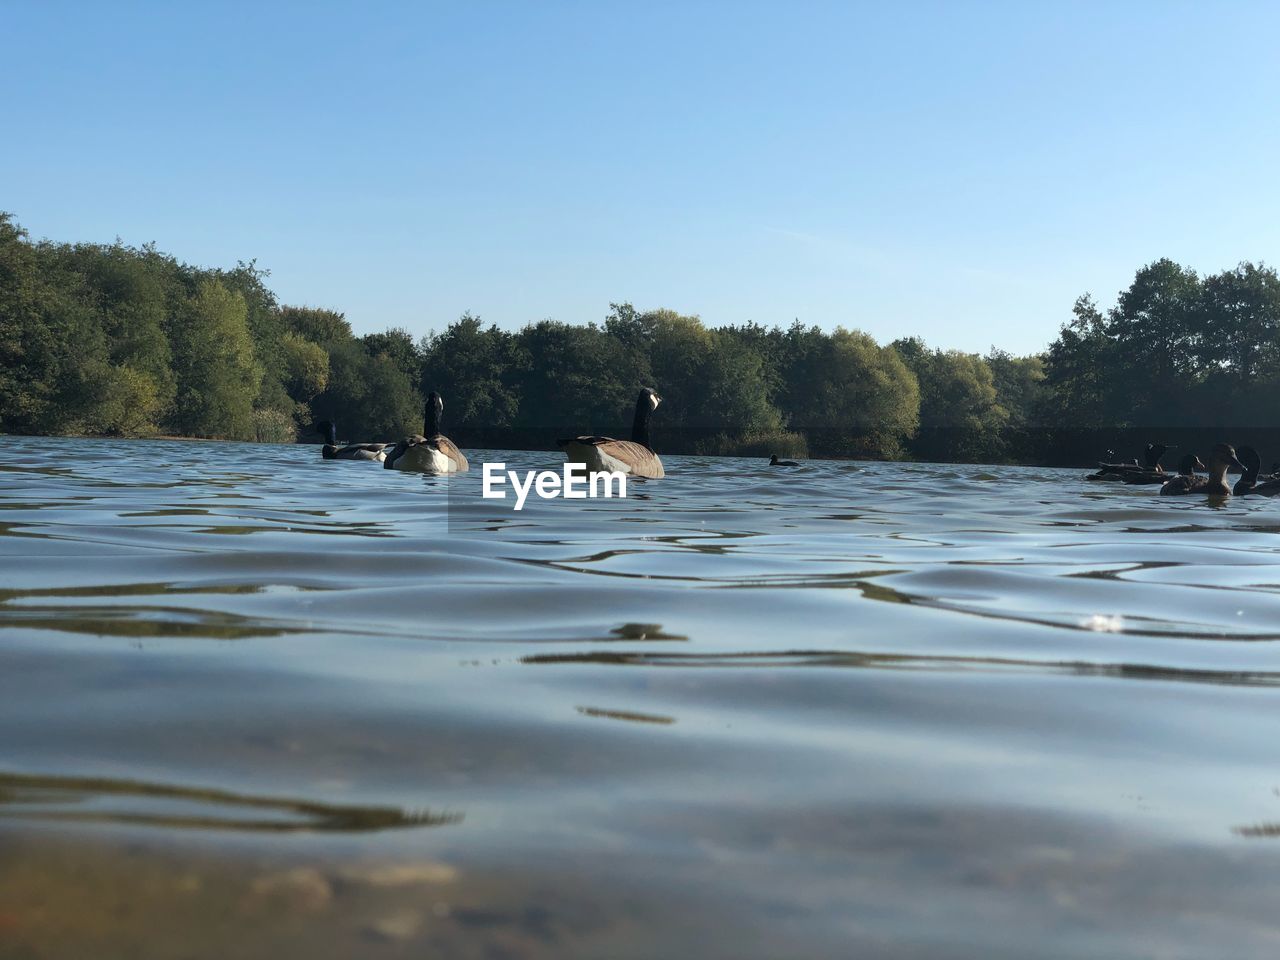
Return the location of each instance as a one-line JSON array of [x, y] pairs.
[[431, 425], [1252, 464], [640, 426], [331, 434]]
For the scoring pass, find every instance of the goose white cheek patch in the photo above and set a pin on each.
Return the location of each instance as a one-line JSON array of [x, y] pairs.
[[573, 483]]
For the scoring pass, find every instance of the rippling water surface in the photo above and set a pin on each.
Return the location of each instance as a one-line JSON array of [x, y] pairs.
[[255, 704]]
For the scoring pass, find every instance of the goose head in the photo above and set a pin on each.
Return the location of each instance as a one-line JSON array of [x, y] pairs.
[[327, 429], [1251, 461]]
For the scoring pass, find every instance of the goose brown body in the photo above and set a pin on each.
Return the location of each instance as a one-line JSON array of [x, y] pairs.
[[634, 457], [430, 451]]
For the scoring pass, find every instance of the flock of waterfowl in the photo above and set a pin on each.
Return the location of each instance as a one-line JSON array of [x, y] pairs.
[[1188, 480], [433, 452]]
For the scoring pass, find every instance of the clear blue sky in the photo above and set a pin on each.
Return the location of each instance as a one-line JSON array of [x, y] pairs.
[[956, 170]]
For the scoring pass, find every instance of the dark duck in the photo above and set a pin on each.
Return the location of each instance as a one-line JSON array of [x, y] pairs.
[[351, 451], [1222, 459], [1132, 470], [1249, 479], [1252, 483]]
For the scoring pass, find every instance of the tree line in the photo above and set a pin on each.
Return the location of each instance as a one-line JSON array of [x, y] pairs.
[[117, 340]]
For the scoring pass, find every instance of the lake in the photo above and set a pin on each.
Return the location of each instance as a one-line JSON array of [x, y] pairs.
[[256, 704]]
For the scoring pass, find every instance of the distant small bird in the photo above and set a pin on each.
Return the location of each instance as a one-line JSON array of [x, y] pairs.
[[775, 462], [352, 451]]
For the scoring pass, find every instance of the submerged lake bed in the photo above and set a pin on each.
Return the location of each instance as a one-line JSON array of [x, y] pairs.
[[257, 704]]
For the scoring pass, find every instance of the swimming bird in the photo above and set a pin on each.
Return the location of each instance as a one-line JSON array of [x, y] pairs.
[[1269, 489], [1187, 468], [428, 452], [352, 451], [1143, 475], [775, 462], [1221, 460], [1252, 464], [1120, 471], [634, 457], [1262, 485]]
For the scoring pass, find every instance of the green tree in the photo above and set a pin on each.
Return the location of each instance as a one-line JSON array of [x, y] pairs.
[[1020, 386], [735, 394], [218, 375], [126, 289], [1081, 368], [1240, 322], [306, 368], [325, 327], [847, 394], [476, 370], [369, 397], [960, 416], [1154, 331], [572, 380], [398, 346], [53, 354]]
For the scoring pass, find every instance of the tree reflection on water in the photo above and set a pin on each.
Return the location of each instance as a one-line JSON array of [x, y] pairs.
[[95, 800]]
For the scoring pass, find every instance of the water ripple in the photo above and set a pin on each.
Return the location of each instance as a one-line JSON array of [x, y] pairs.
[[902, 710]]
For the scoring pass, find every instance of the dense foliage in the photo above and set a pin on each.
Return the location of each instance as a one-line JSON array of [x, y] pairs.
[[126, 341]]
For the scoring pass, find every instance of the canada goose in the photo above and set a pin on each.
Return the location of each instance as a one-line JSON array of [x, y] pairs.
[[1123, 471], [430, 452], [1262, 485], [1249, 478], [634, 457], [1152, 471], [1187, 468], [1214, 485], [1269, 489], [352, 451], [775, 462]]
